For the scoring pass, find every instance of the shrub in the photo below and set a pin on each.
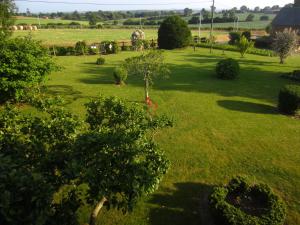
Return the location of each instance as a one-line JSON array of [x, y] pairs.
[[228, 69], [24, 63], [125, 48], [234, 37], [146, 44], [230, 204], [263, 42], [247, 34], [93, 50], [100, 61], [120, 75], [284, 44], [289, 99], [109, 47], [81, 48], [174, 33], [244, 45]]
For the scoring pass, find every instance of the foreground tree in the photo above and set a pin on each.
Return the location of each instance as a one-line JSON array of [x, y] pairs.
[[244, 45], [44, 160], [7, 10], [285, 43], [24, 63], [174, 33], [148, 66]]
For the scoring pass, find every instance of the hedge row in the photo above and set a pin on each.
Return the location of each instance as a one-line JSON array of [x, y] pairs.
[[227, 213], [233, 48]]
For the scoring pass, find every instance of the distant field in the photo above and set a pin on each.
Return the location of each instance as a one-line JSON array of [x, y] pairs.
[[33, 20], [71, 36]]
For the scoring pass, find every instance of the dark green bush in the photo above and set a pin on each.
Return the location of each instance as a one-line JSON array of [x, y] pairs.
[[264, 42], [174, 33], [24, 63], [100, 61], [228, 69], [120, 75], [81, 48], [228, 209], [109, 47], [146, 44], [289, 99], [247, 34], [234, 37]]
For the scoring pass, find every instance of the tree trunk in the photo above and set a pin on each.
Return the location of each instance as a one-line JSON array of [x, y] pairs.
[[146, 88], [96, 211], [281, 60]]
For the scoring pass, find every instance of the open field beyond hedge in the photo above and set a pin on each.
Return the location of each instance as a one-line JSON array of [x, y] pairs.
[[71, 36], [222, 128]]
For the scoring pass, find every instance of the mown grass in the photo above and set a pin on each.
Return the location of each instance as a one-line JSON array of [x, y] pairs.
[[71, 36], [223, 128]]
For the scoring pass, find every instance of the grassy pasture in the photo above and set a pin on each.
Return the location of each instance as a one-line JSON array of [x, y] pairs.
[[34, 20], [71, 36], [223, 128]]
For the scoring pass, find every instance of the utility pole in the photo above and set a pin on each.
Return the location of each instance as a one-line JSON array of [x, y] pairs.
[[140, 22], [211, 25], [200, 24], [237, 23]]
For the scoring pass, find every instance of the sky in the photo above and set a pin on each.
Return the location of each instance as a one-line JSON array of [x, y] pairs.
[[111, 5]]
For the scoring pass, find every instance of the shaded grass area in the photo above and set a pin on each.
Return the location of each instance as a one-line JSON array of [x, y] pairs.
[[223, 128]]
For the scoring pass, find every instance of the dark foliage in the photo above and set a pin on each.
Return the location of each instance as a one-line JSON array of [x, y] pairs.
[[174, 33], [241, 203], [289, 99], [228, 69]]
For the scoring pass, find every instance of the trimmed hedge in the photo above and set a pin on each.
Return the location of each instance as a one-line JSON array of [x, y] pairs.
[[228, 69], [233, 48], [228, 213], [289, 99]]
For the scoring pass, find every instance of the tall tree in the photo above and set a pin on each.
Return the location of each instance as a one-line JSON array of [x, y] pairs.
[[7, 10]]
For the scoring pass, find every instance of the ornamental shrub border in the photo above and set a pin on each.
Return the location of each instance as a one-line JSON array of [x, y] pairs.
[[233, 48], [227, 214]]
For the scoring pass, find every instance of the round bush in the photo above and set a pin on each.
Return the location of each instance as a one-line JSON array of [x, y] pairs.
[[174, 33], [120, 75], [100, 61], [240, 203], [289, 99], [109, 47], [228, 69]]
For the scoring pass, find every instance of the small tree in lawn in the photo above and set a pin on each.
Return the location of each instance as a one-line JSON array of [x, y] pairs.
[[148, 66], [285, 43], [244, 45]]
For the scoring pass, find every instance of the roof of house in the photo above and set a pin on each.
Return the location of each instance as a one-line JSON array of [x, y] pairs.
[[287, 17]]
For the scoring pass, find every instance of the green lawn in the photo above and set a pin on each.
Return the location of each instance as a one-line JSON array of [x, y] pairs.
[[71, 36], [223, 128]]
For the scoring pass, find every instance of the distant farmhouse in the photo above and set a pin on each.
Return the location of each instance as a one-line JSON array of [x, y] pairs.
[[288, 18]]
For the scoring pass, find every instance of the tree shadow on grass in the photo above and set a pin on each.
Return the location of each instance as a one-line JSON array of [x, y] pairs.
[[248, 107], [98, 74], [188, 204], [68, 93]]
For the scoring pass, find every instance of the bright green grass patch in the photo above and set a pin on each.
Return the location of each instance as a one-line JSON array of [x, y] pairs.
[[223, 128], [71, 36]]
